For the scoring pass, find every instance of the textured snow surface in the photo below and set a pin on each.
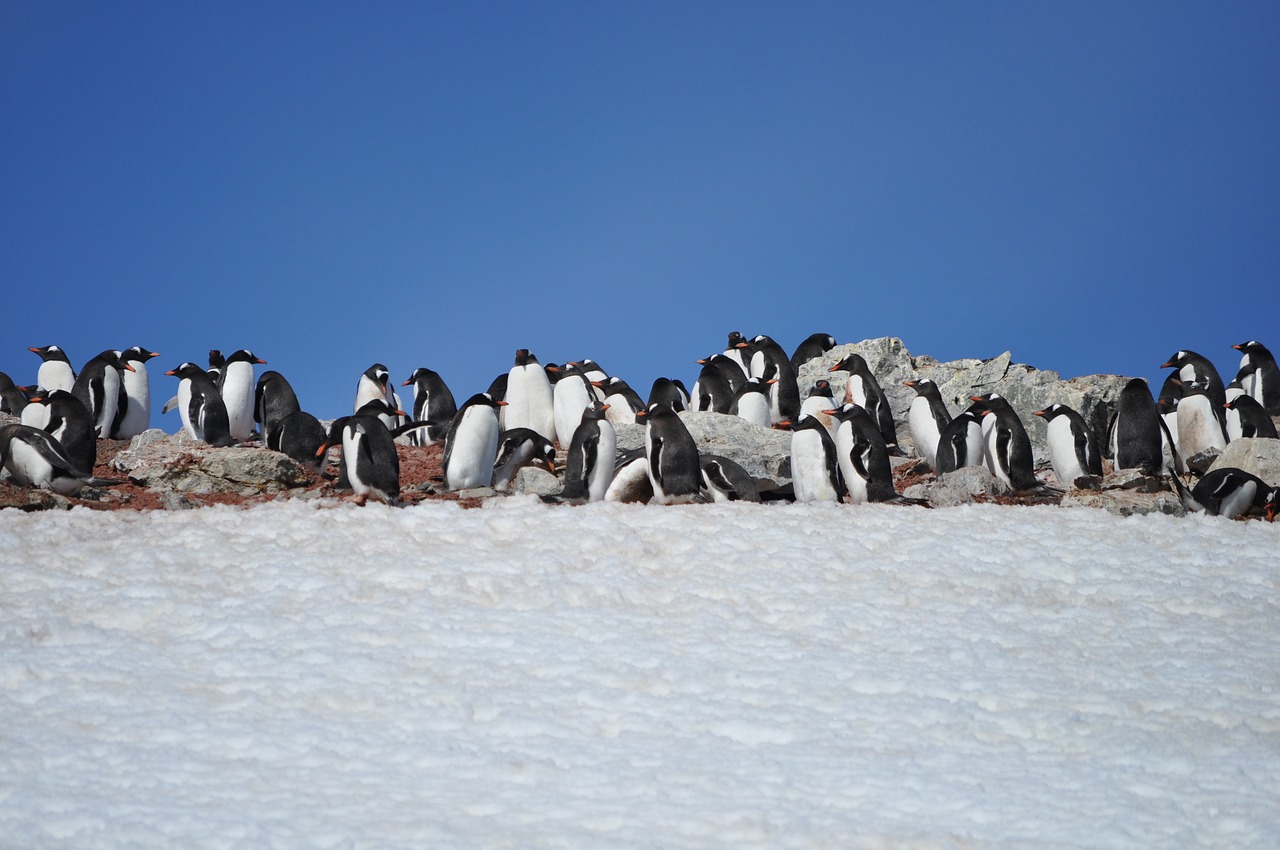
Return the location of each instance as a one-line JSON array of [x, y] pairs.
[[297, 675]]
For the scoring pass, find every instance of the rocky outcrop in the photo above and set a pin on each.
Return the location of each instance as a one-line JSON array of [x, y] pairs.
[[763, 452], [177, 463], [959, 488], [1258, 456]]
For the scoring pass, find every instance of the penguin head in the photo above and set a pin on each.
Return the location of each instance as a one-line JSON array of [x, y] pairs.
[[111, 357], [422, 374], [1271, 504], [821, 389], [1051, 412], [1252, 347], [216, 360], [920, 385], [138, 354], [736, 340], [597, 410], [854, 364], [378, 373], [524, 358], [50, 352], [244, 355], [185, 370], [1181, 358]]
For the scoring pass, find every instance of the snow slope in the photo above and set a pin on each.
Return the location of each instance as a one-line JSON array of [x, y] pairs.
[[302, 675]]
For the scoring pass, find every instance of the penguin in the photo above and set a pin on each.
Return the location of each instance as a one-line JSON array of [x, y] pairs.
[[273, 400], [735, 351], [589, 469], [216, 362], [432, 402], [864, 458], [814, 345], [1006, 446], [815, 472], [960, 443], [926, 418], [369, 462], [236, 384], [530, 401], [1136, 430], [299, 435], [381, 409], [631, 484], [204, 416], [1196, 368], [372, 384], [518, 448], [471, 444], [1169, 457], [711, 391], [1261, 376], [64, 417], [665, 391], [1246, 417], [12, 397], [571, 395], [1198, 427], [1230, 492], [133, 415], [98, 388], [1073, 450], [820, 399], [624, 403], [864, 390], [726, 481], [770, 362], [55, 369], [35, 458], [752, 402], [730, 370], [671, 457]]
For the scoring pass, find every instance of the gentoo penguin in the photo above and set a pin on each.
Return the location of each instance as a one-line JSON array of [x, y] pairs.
[[372, 384], [471, 445], [864, 390], [630, 483], [35, 458], [752, 402], [236, 384], [55, 369], [216, 361], [65, 418], [864, 458], [726, 481], [711, 391], [665, 391], [98, 388], [730, 370], [820, 399], [671, 457], [589, 464], [960, 443], [369, 461], [530, 401], [300, 435], [432, 402], [815, 472], [736, 351], [1073, 450], [1169, 456], [624, 402], [204, 416], [12, 397], [133, 416], [1260, 375], [1230, 493], [518, 448], [927, 417], [1006, 445], [572, 395], [273, 400], [815, 345], [1196, 368], [1246, 417], [1135, 437], [770, 362], [1199, 429], [381, 409]]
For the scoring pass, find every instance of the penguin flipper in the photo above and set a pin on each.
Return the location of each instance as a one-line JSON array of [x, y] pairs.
[[171, 404]]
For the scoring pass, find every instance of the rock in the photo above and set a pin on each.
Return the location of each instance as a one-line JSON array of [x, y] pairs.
[[763, 452], [172, 501], [1134, 479], [959, 487], [180, 464], [32, 498], [1203, 462], [1258, 456], [531, 480], [1125, 502], [475, 493]]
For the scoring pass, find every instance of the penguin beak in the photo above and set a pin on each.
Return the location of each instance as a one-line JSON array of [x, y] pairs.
[[741, 345], [406, 383], [501, 403], [127, 366], [1166, 366], [605, 406], [835, 368], [783, 425], [702, 362], [597, 383], [259, 361], [831, 412], [1271, 511], [772, 381], [976, 398], [1238, 347], [171, 372], [1038, 413], [320, 452], [543, 463], [908, 383]]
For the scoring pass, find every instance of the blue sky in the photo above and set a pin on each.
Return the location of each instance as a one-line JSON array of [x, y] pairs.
[[1091, 186]]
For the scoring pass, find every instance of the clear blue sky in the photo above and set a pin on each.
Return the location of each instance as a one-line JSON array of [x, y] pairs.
[[1091, 186]]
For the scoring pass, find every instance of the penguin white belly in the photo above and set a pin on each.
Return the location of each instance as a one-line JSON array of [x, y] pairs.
[[55, 375], [989, 432], [754, 407], [137, 388], [602, 475], [530, 403], [855, 485], [924, 430], [735, 354], [1198, 428], [184, 410], [814, 405], [619, 412], [237, 395], [809, 479], [570, 398], [29, 467], [1235, 428], [36, 415], [367, 390], [630, 482], [757, 366], [1251, 382], [1238, 502], [1062, 452], [855, 391], [474, 450]]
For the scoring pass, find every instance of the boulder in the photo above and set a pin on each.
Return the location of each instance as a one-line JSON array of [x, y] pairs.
[[178, 463], [763, 452], [1125, 502], [1258, 456], [959, 487]]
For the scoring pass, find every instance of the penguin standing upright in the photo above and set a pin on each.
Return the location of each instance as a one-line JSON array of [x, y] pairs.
[[816, 404], [134, 414], [1230, 492], [665, 391], [55, 369], [518, 448], [216, 362], [530, 401], [1260, 375], [1073, 450], [730, 370], [711, 391], [1196, 368], [273, 401], [35, 458], [926, 418], [815, 472], [1136, 430], [1246, 417], [770, 362], [64, 417], [369, 463], [572, 396], [236, 385], [471, 445], [736, 351], [864, 390], [624, 402], [814, 345], [204, 416], [960, 443], [98, 388], [1198, 427], [752, 402], [589, 464], [1006, 445], [372, 384], [863, 456], [12, 397], [671, 457], [432, 402]]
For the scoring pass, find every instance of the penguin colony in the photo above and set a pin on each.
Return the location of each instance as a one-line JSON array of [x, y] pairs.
[[842, 437]]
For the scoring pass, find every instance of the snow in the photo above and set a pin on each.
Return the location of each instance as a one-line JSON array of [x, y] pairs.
[[311, 675]]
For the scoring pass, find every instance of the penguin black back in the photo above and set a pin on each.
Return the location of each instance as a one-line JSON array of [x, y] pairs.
[[273, 400], [1135, 430]]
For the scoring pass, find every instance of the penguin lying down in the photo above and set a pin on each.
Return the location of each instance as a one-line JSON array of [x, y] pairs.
[[35, 458], [1230, 493]]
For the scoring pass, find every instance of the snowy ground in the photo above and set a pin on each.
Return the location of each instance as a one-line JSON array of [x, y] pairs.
[[626, 676]]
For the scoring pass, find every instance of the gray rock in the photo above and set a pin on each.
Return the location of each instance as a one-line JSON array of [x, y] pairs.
[[1134, 479], [763, 452], [534, 481], [476, 493], [1203, 462], [32, 499], [959, 487], [178, 463], [1258, 456], [1125, 502]]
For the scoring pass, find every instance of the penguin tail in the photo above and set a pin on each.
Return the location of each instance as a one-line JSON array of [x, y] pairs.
[[1188, 501]]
